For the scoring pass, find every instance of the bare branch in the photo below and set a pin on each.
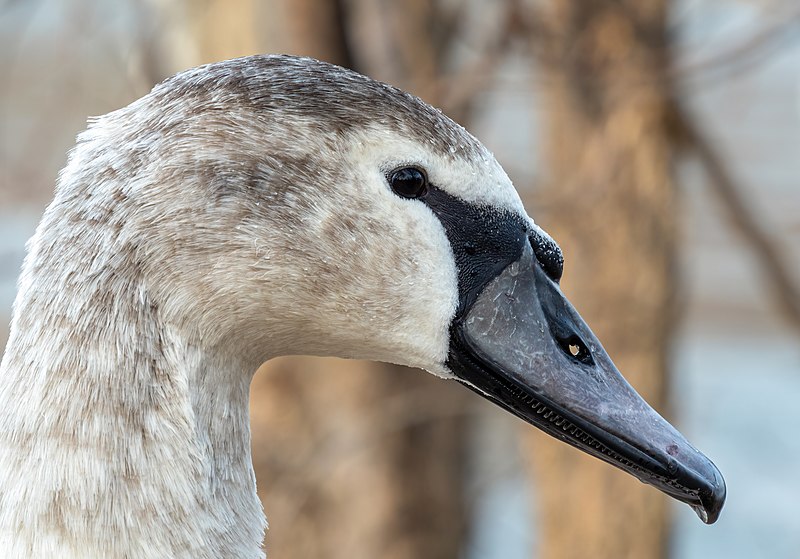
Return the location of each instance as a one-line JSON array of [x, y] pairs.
[[749, 52], [758, 47], [457, 90], [777, 270]]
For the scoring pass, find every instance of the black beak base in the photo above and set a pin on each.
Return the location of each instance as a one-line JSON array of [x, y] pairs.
[[523, 346]]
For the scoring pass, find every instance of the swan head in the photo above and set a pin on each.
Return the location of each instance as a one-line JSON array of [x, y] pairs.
[[291, 206]]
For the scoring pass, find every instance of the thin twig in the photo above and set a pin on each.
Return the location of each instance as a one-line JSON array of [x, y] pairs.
[[757, 48], [749, 52], [777, 270], [457, 90]]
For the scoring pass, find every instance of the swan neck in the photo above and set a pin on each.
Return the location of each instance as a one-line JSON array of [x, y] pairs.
[[120, 437]]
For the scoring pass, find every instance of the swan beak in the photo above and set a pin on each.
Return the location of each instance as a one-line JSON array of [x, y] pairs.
[[523, 346]]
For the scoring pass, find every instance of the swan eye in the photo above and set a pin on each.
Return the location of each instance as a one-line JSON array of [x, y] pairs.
[[409, 182]]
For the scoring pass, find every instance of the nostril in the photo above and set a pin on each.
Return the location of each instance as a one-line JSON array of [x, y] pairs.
[[576, 350]]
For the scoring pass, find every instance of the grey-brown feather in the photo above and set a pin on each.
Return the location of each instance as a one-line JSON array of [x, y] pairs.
[[330, 99]]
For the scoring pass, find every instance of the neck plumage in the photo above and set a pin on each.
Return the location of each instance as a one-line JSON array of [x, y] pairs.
[[118, 437]]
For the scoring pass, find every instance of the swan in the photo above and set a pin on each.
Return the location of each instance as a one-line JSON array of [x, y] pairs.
[[266, 206]]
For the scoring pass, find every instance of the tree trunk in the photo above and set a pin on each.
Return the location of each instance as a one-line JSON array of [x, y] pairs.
[[353, 461], [609, 200]]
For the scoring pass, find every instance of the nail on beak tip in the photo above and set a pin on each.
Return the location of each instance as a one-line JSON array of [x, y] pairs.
[[712, 501]]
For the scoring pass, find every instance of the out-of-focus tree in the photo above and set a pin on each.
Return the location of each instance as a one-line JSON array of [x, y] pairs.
[[615, 125], [402, 498], [609, 200], [395, 491]]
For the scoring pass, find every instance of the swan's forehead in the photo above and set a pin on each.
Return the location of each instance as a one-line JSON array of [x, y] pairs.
[[311, 103], [318, 108], [464, 169]]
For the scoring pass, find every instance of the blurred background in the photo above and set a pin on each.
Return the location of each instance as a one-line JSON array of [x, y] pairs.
[[657, 140]]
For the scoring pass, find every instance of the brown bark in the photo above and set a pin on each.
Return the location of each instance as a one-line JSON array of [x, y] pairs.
[[354, 462], [223, 29], [609, 201], [359, 459]]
